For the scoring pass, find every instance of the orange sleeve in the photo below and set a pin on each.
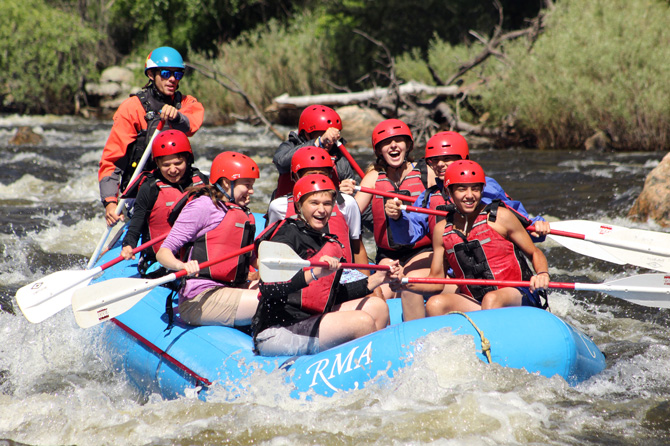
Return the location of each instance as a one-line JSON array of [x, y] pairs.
[[128, 121], [194, 111]]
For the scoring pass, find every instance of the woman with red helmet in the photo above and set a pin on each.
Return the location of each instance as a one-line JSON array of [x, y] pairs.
[[315, 311], [213, 222], [395, 171], [172, 153], [136, 120], [318, 126], [346, 219], [480, 241], [442, 149]]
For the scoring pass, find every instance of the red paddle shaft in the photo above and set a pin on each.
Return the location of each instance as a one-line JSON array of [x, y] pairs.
[[351, 160], [368, 190], [352, 266], [151, 242], [209, 263], [499, 283]]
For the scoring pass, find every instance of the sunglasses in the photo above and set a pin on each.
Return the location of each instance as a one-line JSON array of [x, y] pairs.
[[167, 74]]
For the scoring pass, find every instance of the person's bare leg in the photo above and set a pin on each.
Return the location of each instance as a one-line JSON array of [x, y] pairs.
[[503, 297], [446, 302]]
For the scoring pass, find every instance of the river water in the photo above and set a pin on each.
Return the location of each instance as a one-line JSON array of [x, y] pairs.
[[56, 387]]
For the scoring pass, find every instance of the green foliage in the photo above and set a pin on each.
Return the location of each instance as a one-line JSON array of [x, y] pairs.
[[266, 62], [601, 65], [404, 26], [44, 55], [201, 25]]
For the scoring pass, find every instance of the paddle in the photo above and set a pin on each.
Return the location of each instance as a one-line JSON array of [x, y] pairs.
[[350, 158], [649, 290], [119, 205], [110, 298], [368, 190], [615, 244], [279, 263], [49, 295]]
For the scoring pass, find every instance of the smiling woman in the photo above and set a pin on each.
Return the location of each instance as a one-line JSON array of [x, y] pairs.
[[315, 311]]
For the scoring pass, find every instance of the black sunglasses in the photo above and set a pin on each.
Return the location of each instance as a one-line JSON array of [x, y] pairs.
[[167, 74]]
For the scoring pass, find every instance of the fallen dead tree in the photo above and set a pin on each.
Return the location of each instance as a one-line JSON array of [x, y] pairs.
[[375, 94], [427, 108]]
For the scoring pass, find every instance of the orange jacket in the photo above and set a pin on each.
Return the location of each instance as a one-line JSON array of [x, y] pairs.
[[128, 122]]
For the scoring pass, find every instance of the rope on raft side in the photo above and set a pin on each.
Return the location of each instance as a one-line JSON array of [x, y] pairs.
[[486, 344]]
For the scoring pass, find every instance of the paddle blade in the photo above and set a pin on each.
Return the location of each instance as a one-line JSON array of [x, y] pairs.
[[105, 300], [49, 295], [647, 249], [278, 262], [585, 248], [649, 290]]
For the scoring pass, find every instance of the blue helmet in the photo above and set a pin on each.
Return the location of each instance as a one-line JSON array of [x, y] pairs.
[[163, 57]]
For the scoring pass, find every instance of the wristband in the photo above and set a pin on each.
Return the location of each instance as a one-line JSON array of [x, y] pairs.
[[319, 143], [311, 271], [542, 272]]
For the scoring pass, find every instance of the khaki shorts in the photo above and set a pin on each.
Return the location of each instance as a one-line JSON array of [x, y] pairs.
[[216, 306]]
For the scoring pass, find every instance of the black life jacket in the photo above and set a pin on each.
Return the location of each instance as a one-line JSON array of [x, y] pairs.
[[152, 101]]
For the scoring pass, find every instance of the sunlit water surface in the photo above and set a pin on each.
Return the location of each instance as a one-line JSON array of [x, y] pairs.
[[57, 388]]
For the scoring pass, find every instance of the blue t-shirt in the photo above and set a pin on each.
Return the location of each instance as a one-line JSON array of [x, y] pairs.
[[412, 226]]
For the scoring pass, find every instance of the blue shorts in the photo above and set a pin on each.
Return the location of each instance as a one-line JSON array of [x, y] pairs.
[[529, 299]]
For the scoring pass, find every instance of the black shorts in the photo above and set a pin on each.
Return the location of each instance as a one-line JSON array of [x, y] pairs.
[[402, 255]]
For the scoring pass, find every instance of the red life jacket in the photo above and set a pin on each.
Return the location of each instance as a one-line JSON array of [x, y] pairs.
[[434, 199], [483, 254], [236, 230], [412, 186], [337, 225], [168, 195], [318, 296]]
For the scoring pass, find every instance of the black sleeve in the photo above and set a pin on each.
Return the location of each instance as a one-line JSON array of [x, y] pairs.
[[352, 290], [141, 211], [345, 170], [276, 290], [284, 154]]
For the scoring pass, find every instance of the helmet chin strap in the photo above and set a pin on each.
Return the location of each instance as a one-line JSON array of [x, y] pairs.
[[225, 194]]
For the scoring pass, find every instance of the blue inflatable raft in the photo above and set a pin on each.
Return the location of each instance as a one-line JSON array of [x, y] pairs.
[[185, 359]]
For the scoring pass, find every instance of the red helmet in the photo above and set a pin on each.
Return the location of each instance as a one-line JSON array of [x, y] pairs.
[[464, 172], [389, 128], [233, 166], [312, 183], [447, 143], [318, 118], [310, 157], [171, 142]]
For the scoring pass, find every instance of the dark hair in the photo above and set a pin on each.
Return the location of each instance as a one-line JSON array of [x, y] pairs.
[[381, 165], [218, 198]]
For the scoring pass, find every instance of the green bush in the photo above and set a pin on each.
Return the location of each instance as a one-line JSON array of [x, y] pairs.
[[44, 55], [266, 62], [600, 65]]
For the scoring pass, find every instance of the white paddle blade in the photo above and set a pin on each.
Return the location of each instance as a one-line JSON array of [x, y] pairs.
[[278, 262], [586, 248], [43, 298], [647, 249], [105, 300], [649, 290]]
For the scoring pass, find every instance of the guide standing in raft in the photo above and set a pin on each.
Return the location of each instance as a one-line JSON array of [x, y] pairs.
[[136, 120]]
